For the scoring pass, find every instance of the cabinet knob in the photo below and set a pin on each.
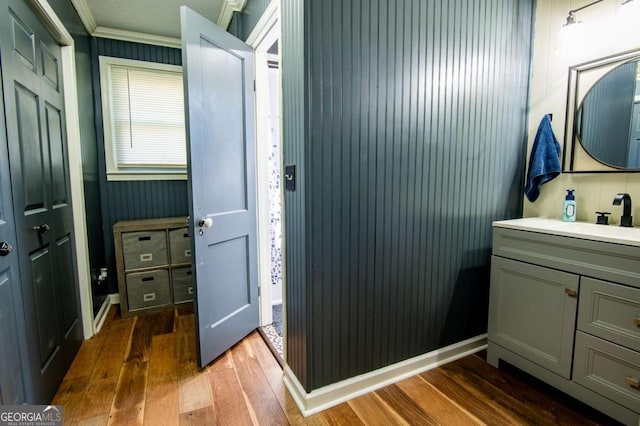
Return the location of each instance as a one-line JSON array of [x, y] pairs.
[[571, 292], [636, 321], [634, 383]]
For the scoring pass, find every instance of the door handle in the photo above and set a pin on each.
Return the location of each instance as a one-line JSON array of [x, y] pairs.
[[42, 229], [206, 222], [5, 248], [633, 382]]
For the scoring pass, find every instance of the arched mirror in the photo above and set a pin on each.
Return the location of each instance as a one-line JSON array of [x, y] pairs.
[[603, 115]]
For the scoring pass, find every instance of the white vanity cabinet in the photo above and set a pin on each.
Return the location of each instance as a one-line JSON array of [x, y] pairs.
[[565, 307]]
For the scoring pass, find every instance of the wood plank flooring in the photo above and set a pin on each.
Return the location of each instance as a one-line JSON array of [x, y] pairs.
[[142, 371]]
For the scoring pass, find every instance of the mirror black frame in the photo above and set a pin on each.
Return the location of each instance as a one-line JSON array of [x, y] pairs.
[[575, 94]]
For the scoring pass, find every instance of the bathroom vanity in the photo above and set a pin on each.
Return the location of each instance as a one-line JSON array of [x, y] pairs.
[[565, 307]]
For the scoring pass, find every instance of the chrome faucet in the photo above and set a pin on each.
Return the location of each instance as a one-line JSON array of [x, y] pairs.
[[625, 200]]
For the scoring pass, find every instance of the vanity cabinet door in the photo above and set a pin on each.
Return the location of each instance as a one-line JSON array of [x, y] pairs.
[[532, 312]]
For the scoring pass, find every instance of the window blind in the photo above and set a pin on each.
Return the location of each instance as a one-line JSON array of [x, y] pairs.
[[148, 118]]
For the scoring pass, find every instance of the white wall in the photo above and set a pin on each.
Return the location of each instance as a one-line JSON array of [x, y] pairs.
[[606, 32]]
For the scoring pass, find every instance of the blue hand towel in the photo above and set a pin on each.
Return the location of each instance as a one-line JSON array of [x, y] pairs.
[[544, 162]]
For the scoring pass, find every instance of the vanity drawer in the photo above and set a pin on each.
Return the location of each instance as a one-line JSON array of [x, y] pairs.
[[180, 245], [148, 289], [603, 260], [182, 285], [608, 369], [610, 311], [144, 249]]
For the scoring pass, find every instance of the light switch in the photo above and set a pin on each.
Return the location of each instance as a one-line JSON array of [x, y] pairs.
[[290, 177]]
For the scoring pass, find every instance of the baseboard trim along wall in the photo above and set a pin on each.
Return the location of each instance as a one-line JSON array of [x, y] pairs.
[[112, 299], [115, 298], [337, 393]]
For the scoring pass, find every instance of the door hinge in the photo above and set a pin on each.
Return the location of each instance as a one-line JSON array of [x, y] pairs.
[[254, 85], [258, 291]]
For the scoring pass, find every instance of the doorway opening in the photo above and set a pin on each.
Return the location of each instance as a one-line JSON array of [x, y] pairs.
[[269, 171], [275, 198]]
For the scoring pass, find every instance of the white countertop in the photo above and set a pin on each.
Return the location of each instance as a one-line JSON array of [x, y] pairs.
[[587, 231]]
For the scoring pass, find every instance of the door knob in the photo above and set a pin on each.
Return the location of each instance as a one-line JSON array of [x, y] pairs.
[[207, 222], [5, 248], [43, 228]]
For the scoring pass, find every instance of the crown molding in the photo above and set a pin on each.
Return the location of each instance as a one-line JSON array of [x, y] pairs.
[[226, 12], [86, 16], [94, 30], [137, 37]]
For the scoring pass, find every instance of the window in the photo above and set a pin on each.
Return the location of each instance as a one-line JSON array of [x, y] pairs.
[[143, 116]]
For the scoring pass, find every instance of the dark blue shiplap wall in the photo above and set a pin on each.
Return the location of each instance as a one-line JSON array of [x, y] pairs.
[[407, 120], [132, 199]]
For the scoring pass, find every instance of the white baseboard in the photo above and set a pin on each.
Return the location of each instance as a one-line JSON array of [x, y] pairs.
[[98, 322], [337, 393]]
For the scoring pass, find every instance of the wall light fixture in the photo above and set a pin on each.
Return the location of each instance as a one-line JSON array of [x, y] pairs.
[[571, 18], [572, 37], [630, 6]]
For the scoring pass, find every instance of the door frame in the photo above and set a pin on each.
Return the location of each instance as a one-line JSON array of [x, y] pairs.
[[74, 157], [266, 31]]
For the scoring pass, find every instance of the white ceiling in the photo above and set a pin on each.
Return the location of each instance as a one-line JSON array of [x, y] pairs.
[[153, 17]]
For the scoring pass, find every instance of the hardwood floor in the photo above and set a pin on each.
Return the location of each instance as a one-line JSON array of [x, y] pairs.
[[143, 370]]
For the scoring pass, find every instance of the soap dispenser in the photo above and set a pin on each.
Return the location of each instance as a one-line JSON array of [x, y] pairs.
[[569, 210]]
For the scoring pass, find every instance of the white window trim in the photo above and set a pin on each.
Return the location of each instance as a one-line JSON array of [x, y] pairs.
[[113, 172]]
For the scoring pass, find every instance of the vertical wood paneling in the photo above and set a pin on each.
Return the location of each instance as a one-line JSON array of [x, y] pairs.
[[416, 138], [132, 199]]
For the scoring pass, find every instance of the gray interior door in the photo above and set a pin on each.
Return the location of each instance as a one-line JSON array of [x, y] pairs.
[[34, 108], [219, 102], [11, 314]]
